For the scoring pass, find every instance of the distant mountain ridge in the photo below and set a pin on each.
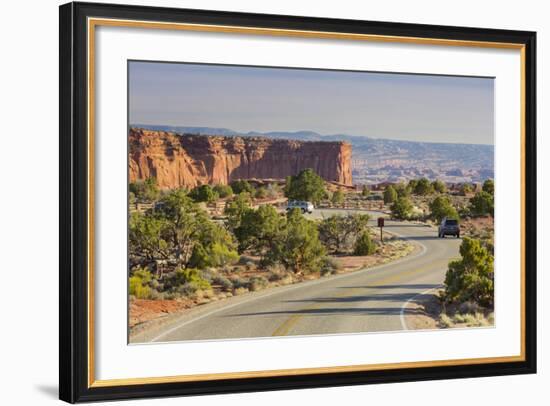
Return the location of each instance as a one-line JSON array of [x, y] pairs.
[[302, 135]]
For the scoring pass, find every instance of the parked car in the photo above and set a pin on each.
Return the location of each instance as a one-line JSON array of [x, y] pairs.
[[449, 227], [298, 204]]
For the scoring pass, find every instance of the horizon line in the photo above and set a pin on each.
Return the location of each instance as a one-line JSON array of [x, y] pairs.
[[246, 133]]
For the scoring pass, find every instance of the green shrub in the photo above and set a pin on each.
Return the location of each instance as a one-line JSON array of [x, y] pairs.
[[338, 197], [184, 224], [223, 190], [364, 245], [140, 284], [258, 229], [441, 207], [222, 255], [306, 186], [236, 209], [147, 242], [216, 254], [439, 186], [146, 190], [132, 198], [339, 233], [390, 194], [405, 190], [299, 248], [423, 187], [489, 186], [260, 193], [482, 204], [472, 277], [240, 186], [412, 184], [466, 188], [401, 208], [186, 281], [203, 193]]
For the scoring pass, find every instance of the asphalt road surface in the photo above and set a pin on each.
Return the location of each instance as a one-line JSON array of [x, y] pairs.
[[368, 300]]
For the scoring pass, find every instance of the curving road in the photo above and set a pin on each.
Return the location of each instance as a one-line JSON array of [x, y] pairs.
[[364, 301]]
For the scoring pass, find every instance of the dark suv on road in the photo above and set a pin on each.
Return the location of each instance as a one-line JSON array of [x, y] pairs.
[[449, 227]]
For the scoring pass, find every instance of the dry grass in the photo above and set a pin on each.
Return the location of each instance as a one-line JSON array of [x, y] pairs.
[[478, 227], [478, 319], [429, 313]]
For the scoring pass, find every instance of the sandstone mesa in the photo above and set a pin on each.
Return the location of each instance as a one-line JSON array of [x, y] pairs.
[[189, 160]]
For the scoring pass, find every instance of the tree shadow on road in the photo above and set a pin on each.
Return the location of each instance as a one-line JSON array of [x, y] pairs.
[[331, 311], [383, 297], [424, 238], [419, 286], [398, 298]]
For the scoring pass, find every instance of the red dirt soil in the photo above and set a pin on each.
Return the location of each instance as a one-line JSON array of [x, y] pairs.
[[142, 310]]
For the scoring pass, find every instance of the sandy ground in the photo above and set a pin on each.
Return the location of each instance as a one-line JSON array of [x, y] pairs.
[[424, 312], [142, 310]]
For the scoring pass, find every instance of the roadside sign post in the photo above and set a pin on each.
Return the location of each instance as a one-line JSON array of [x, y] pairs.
[[381, 225]]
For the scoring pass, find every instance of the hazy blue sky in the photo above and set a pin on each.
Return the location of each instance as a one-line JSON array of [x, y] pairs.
[[398, 106]]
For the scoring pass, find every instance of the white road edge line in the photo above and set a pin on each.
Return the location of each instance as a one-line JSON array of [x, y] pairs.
[[422, 252], [404, 307]]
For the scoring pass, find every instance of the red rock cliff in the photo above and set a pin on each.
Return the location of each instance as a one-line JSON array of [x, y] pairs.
[[190, 160]]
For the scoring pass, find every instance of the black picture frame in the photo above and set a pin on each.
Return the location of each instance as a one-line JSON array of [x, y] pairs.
[[74, 385]]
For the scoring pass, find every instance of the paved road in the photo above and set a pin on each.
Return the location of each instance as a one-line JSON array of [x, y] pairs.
[[364, 301]]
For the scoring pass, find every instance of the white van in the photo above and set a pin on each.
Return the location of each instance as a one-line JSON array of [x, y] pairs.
[[298, 204]]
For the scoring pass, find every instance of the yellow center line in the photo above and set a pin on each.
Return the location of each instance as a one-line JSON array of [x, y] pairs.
[[289, 323]]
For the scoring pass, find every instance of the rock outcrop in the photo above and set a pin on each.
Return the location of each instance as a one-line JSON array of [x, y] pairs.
[[189, 160]]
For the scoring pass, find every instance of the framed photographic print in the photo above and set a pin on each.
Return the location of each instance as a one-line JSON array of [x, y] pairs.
[[258, 202]]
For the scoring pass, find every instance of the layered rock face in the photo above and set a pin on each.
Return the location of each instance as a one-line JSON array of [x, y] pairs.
[[189, 160]]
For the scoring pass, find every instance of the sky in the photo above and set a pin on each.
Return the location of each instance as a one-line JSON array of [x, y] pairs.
[[382, 105]]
